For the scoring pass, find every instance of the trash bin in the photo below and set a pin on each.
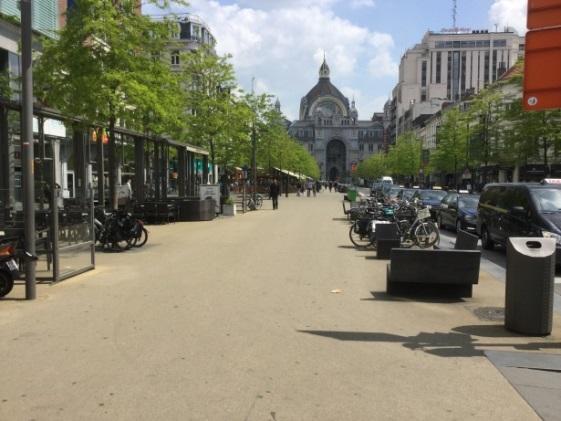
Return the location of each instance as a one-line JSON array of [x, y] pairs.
[[351, 194], [530, 272]]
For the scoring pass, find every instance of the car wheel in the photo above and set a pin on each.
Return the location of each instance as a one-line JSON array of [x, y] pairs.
[[459, 226], [486, 241]]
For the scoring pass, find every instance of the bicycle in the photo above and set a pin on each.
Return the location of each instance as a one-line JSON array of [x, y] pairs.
[[254, 201]]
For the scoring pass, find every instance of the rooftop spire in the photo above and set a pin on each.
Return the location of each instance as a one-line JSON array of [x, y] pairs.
[[324, 69]]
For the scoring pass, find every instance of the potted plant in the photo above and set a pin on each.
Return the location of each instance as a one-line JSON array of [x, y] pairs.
[[229, 207]]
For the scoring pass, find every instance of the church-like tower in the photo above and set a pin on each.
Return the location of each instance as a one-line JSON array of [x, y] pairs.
[[328, 127]]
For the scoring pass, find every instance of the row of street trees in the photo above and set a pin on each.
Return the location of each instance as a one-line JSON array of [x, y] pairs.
[[109, 66], [490, 128]]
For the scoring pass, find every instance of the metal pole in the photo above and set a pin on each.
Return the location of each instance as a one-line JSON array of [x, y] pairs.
[[27, 148], [254, 158]]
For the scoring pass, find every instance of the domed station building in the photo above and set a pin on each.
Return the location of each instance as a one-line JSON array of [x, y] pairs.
[[329, 128]]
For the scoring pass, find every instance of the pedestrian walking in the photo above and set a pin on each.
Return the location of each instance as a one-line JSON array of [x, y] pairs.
[[330, 186], [298, 188], [274, 192], [314, 189], [309, 186]]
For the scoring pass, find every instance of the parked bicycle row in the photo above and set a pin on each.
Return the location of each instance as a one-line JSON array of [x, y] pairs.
[[119, 230], [413, 221]]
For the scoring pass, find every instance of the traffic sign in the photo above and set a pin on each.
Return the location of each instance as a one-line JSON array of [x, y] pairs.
[[543, 13], [542, 77]]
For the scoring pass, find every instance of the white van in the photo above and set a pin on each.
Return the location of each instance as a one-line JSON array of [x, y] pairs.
[[387, 180]]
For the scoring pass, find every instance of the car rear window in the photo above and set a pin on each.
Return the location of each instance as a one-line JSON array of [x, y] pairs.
[[432, 195], [468, 202]]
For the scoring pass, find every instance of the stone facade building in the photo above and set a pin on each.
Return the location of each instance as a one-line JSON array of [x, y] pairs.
[[447, 68], [329, 128]]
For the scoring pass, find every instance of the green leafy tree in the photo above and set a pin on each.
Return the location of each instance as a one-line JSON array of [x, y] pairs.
[[214, 114], [105, 67], [452, 143], [374, 167], [404, 158], [488, 121]]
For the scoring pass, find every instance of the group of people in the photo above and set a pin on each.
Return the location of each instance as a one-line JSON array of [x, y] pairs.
[[310, 186]]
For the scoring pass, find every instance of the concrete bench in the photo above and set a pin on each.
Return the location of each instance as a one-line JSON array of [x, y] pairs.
[[442, 272], [465, 241]]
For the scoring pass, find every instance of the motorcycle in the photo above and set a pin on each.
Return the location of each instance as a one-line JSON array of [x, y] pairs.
[[9, 269]]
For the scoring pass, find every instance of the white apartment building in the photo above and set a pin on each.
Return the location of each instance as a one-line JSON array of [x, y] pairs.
[[446, 67]]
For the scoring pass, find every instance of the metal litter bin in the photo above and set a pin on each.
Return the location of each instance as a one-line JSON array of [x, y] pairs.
[[530, 272]]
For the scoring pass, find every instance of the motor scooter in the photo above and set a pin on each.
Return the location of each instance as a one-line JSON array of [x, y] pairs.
[[9, 269]]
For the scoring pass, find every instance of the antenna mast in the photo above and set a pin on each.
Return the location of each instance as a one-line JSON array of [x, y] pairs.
[[454, 14]]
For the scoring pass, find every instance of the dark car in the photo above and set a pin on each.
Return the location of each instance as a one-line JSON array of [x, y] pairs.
[[406, 194], [519, 210], [459, 211], [393, 193], [431, 199]]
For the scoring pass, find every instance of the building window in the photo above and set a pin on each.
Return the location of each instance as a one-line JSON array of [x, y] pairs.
[[371, 147], [311, 147], [463, 71], [424, 73], [175, 31], [494, 65], [361, 147], [449, 78], [196, 32], [175, 58], [438, 66], [486, 68], [499, 43]]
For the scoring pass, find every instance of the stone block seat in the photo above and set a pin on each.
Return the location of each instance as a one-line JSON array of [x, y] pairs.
[[438, 272]]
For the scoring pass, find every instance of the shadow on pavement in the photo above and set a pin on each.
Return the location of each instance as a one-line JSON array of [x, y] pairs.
[[340, 219], [440, 344], [488, 331], [420, 297], [347, 247]]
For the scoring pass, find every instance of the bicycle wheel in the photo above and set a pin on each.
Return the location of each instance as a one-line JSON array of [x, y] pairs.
[[258, 201], [141, 239], [427, 234], [360, 241]]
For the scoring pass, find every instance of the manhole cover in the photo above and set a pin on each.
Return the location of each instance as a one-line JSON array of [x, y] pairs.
[[491, 314]]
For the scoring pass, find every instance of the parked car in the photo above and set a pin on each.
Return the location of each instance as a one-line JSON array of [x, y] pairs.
[[519, 210], [431, 199], [393, 193], [406, 194], [459, 211]]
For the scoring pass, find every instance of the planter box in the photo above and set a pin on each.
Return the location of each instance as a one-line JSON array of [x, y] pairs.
[[229, 210]]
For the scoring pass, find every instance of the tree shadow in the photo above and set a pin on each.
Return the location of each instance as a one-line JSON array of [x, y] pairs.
[[441, 344]]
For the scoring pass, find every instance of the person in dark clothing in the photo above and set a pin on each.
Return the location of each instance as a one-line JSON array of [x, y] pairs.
[[274, 191], [330, 186]]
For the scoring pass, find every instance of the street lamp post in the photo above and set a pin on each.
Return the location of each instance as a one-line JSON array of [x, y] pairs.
[[27, 149]]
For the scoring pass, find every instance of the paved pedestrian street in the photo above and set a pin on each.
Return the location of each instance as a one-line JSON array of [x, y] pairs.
[[271, 315]]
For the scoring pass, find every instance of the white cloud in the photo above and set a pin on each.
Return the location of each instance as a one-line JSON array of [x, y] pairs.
[[356, 4], [509, 13], [284, 4], [283, 48], [382, 65]]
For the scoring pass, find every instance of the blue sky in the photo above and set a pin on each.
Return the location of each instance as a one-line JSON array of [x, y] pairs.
[[281, 42]]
